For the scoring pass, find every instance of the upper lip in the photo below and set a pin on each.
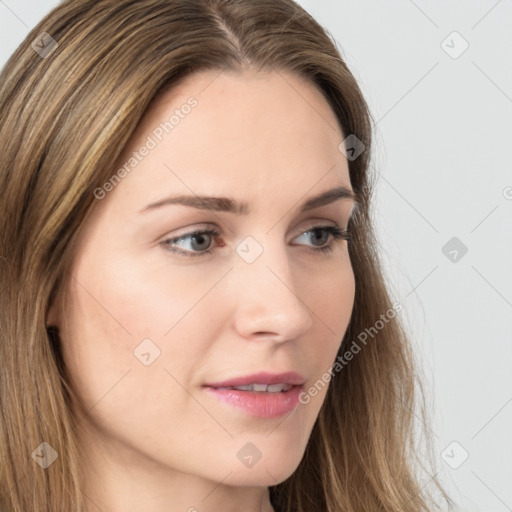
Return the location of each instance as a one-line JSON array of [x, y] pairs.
[[293, 378]]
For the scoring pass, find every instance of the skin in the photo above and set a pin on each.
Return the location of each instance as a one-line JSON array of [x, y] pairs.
[[153, 439]]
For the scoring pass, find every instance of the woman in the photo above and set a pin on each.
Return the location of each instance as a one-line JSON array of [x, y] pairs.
[[193, 312]]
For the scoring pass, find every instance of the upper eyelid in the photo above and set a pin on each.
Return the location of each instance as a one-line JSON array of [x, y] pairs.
[[200, 227], [309, 224]]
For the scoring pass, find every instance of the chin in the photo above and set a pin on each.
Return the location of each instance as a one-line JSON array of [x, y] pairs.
[[264, 474]]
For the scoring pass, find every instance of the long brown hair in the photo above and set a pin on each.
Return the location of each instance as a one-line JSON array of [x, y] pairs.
[[70, 97]]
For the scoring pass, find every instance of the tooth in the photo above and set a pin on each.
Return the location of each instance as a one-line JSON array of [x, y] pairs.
[[259, 387], [276, 388], [262, 388], [246, 387]]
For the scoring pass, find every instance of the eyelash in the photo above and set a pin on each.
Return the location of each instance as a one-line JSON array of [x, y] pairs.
[[335, 231]]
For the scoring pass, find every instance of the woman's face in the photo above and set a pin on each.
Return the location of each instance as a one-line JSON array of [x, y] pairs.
[[154, 315]]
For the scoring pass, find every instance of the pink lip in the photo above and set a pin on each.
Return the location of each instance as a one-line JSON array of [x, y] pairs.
[[258, 404], [292, 378]]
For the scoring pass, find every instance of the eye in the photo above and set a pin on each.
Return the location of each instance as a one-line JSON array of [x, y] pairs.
[[198, 242], [321, 234], [201, 241]]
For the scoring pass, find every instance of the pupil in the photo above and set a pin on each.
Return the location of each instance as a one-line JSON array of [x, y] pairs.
[[323, 235], [201, 239]]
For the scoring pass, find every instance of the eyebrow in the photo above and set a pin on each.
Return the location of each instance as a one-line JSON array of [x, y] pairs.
[[224, 204]]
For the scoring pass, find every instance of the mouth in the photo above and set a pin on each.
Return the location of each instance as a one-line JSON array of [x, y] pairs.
[[261, 395]]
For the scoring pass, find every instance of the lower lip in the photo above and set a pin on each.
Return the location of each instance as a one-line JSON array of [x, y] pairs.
[[258, 404]]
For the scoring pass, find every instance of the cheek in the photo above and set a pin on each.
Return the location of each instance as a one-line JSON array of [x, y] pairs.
[[130, 346], [331, 299], [332, 303], [123, 314]]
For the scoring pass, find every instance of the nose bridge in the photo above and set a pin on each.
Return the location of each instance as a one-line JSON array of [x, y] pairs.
[[266, 291]]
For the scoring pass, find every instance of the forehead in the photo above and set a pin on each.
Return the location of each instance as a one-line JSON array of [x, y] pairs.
[[246, 132]]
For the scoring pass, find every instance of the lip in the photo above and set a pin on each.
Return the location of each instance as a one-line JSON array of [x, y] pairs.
[[260, 404], [293, 378]]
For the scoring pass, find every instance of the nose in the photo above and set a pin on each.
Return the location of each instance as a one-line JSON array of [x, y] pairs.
[[269, 305]]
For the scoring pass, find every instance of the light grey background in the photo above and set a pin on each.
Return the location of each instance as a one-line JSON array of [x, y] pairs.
[[443, 142]]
